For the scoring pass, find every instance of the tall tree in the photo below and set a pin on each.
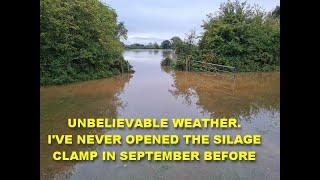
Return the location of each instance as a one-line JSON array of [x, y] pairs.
[[122, 31], [276, 12], [166, 44], [79, 40], [155, 45], [175, 42]]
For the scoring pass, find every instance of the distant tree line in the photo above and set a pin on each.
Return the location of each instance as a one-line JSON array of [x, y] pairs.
[[79, 40], [240, 35], [166, 44], [142, 46]]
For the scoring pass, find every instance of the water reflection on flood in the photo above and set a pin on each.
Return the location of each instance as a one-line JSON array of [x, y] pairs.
[[84, 99], [222, 94], [158, 92]]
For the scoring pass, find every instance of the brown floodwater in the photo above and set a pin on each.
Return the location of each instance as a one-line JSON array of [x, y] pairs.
[[153, 91]]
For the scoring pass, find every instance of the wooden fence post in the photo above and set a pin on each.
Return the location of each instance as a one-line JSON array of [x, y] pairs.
[[189, 63], [121, 64], [186, 64]]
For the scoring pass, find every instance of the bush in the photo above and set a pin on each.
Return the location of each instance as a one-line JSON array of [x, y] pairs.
[[79, 40], [239, 35]]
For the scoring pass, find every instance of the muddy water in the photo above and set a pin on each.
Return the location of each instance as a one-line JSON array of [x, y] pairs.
[[158, 92]]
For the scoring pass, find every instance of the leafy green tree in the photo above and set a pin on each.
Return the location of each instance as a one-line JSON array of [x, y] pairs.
[[149, 46], [175, 42], [166, 44], [156, 45], [186, 51], [242, 36], [122, 31], [276, 12], [79, 40]]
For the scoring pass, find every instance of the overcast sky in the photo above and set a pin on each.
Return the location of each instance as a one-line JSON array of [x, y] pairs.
[[157, 20]]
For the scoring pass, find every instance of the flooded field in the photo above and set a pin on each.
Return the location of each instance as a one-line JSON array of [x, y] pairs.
[[153, 91]]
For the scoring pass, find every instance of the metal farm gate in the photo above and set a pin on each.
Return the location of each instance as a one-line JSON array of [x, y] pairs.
[[207, 67], [224, 77]]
